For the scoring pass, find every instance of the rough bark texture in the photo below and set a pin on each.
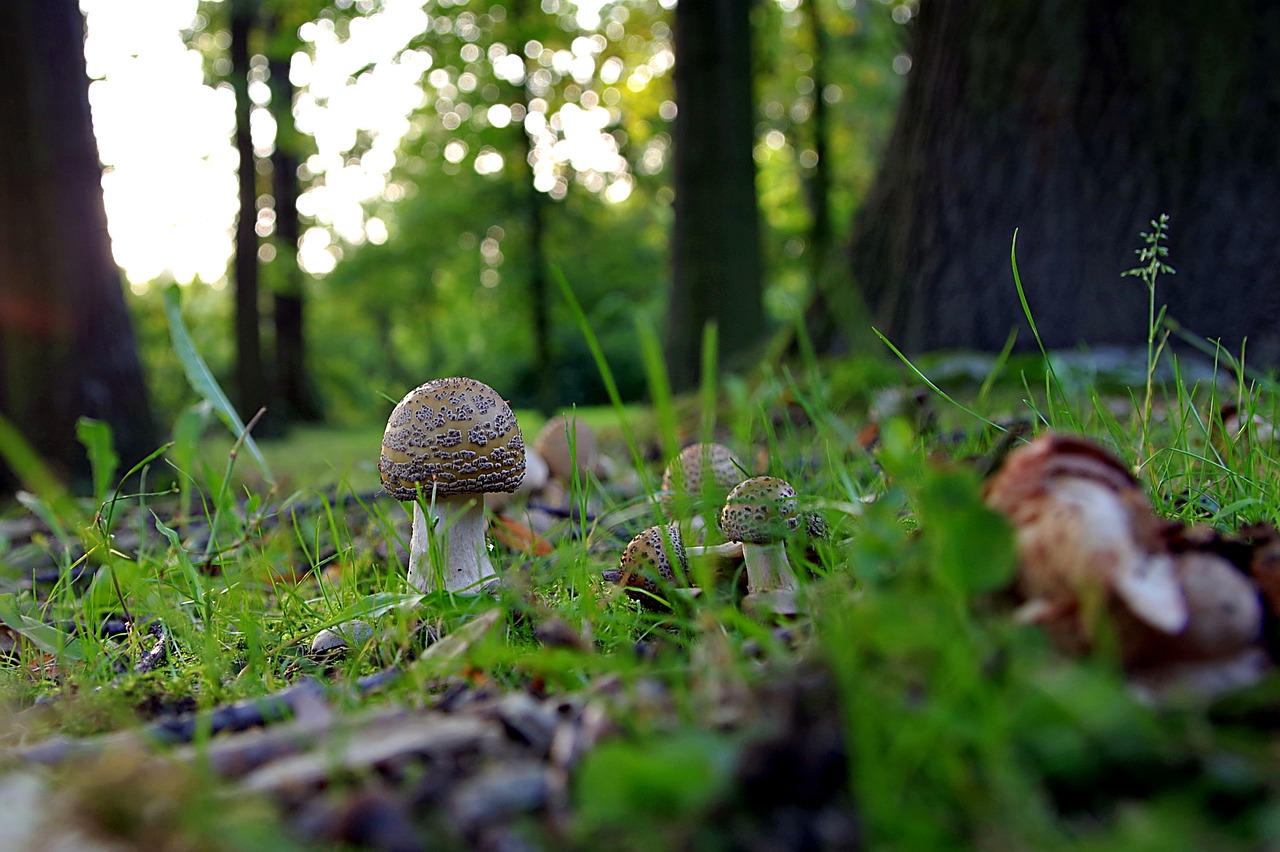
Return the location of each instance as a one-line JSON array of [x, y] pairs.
[[715, 246], [66, 343], [1076, 122]]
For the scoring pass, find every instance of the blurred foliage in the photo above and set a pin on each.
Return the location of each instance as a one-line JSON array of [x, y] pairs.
[[448, 290]]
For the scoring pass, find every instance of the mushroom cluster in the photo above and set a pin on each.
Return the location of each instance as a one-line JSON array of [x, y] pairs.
[[447, 443], [756, 515]]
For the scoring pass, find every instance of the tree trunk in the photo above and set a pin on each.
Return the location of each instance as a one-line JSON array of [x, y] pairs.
[[294, 391], [66, 342], [1076, 122], [251, 378], [715, 245], [535, 219]]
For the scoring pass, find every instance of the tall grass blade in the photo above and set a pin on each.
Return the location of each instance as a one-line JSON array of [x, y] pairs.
[[202, 380]]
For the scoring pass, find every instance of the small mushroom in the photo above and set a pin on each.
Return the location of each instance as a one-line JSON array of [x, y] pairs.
[[761, 512], [653, 561], [701, 475], [447, 443], [1087, 539], [567, 443]]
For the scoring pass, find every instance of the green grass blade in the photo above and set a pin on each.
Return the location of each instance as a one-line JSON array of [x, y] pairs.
[[202, 380]]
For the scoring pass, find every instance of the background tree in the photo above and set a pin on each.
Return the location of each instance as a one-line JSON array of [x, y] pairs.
[[293, 391], [252, 386], [1076, 123], [66, 343], [715, 243]]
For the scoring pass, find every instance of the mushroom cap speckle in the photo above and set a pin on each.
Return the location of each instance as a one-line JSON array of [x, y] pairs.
[[456, 435], [760, 510], [703, 466], [648, 558]]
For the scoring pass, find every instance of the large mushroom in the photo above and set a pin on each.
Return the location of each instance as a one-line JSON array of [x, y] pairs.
[[447, 443], [1088, 540], [761, 512]]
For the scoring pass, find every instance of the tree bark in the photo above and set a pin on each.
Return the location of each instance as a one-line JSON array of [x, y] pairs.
[[715, 245], [294, 390], [1076, 122], [251, 379], [66, 341]]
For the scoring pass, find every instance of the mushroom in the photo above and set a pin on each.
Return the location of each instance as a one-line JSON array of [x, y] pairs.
[[1221, 646], [563, 455], [447, 443], [701, 475], [1088, 540], [655, 558], [761, 512]]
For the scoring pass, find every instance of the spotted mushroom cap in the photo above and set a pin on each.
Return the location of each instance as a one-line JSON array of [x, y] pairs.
[[456, 435], [708, 466], [760, 510], [647, 557]]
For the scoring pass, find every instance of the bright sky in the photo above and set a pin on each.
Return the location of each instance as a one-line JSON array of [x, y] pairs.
[[164, 136]]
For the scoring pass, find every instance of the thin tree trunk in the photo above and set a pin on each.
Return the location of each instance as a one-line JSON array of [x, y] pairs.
[[294, 391], [715, 245], [535, 218], [66, 342], [251, 379]]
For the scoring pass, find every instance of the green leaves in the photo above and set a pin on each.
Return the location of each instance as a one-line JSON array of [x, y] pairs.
[[46, 637], [970, 546]]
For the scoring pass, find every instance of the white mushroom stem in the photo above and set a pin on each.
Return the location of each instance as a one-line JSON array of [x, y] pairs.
[[768, 569], [457, 522]]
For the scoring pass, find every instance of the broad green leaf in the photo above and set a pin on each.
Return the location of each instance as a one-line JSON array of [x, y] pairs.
[[95, 436], [46, 637], [59, 510]]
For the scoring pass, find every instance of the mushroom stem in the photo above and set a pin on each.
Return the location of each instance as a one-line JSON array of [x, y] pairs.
[[726, 550], [767, 567], [458, 523]]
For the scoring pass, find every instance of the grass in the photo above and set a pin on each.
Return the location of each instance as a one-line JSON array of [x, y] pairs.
[[960, 728]]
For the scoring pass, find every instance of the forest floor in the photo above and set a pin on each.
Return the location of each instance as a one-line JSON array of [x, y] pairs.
[[161, 690]]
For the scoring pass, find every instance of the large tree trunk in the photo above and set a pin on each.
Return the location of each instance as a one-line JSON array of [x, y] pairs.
[[715, 245], [66, 343], [1076, 122]]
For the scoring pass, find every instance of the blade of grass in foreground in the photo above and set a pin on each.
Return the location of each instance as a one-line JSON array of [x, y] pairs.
[[606, 373], [202, 380], [939, 391]]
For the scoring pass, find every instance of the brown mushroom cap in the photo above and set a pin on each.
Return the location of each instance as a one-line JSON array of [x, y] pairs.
[[456, 435], [552, 443], [647, 559], [760, 510]]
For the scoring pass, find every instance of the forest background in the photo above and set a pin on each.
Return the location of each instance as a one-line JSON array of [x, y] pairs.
[[541, 141], [413, 181]]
